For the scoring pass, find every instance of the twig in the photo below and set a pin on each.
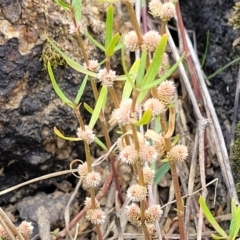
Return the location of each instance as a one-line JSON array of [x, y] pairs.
[[220, 145], [235, 111]]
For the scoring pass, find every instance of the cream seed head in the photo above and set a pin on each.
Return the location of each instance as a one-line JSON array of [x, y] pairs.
[[96, 216], [160, 145], [129, 154], [155, 7], [153, 213], [93, 179], [93, 65], [83, 169], [133, 213], [151, 40], [166, 91], [88, 203], [107, 78], [168, 11], [123, 114], [148, 175], [178, 153], [25, 228], [152, 231], [86, 135], [137, 192], [155, 106], [78, 28], [131, 41], [147, 153]]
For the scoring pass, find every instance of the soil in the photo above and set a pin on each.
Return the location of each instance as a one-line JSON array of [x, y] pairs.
[[28, 146]]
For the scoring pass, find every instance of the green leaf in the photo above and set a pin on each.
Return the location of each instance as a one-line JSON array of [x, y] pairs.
[[59, 134], [235, 226], [88, 108], [175, 140], [112, 45], [72, 63], [164, 77], [118, 47], [77, 4], [156, 61], [109, 26], [57, 89], [96, 43], [233, 221], [157, 125], [141, 69], [100, 143], [128, 86], [63, 5], [81, 90], [161, 172], [99, 105], [211, 218], [165, 160], [217, 237], [145, 118]]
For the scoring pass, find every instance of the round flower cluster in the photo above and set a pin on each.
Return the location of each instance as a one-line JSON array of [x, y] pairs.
[[178, 153], [165, 11], [153, 214], [107, 78], [133, 213], [166, 91], [96, 216], [150, 41], [93, 179], [128, 154], [93, 65], [155, 106], [86, 134], [123, 114], [147, 153], [137, 192]]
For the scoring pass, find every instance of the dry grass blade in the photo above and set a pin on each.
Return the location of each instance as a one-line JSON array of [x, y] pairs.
[[220, 144]]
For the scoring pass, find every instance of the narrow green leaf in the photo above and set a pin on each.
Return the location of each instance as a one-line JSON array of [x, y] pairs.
[[175, 140], [211, 218], [88, 108], [96, 43], [100, 143], [144, 90], [233, 221], [164, 77], [161, 172], [145, 118], [98, 107], [236, 226], [156, 61], [157, 125], [59, 134], [141, 69], [72, 63], [128, 86], [112, 45], [118, 47], [109, 26], [81, 90], [57, 89], [165, 160], [77, 4], [217, 237], [63, 5]]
